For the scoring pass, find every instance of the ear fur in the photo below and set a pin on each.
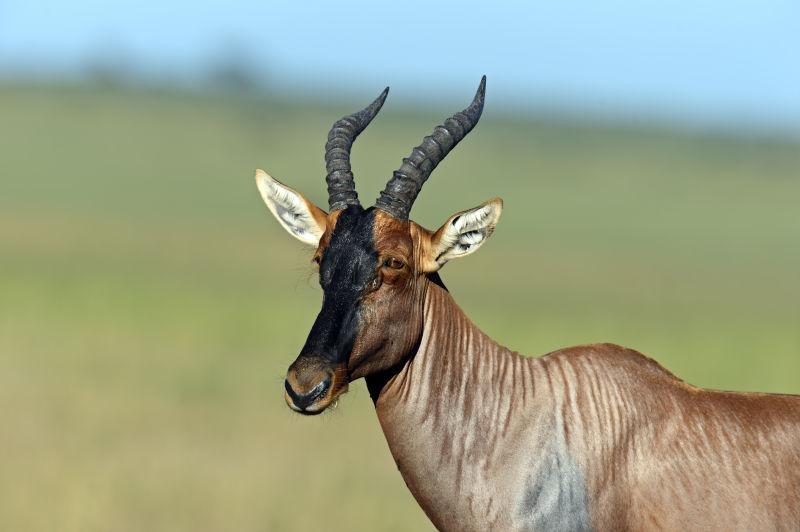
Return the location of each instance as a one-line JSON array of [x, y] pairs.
[[462, 234], [301, 218]]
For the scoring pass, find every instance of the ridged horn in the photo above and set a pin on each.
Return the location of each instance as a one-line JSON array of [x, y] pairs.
[[406, 182], [341, 185]]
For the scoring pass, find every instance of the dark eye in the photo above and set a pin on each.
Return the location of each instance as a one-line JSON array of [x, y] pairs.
[[393, 263], [317, 259]]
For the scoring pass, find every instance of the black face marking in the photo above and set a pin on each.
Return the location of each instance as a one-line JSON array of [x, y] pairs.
[[347, 268]]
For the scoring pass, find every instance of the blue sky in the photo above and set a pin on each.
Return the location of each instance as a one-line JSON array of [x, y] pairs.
[[728, 61]]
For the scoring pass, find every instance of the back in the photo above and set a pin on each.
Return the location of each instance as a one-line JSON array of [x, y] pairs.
[[728, 461], [662, 454]]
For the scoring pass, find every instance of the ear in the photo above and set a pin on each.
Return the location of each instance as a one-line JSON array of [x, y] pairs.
[[301, 218], [462, 234]]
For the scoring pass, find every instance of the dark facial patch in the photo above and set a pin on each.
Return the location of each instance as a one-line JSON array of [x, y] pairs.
[[348, 266]]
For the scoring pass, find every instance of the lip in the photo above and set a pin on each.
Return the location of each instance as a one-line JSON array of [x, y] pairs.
[[338, 387]]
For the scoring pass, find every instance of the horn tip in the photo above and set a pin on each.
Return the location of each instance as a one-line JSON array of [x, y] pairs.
[[381, 98], [481, 93]]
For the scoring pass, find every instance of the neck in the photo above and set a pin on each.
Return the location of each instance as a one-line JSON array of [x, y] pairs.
[[446, 411]]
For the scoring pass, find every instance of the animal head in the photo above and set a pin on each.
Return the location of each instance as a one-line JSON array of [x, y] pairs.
[[375, 265]]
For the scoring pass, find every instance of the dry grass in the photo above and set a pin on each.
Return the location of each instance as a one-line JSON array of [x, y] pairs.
[[149, 306]]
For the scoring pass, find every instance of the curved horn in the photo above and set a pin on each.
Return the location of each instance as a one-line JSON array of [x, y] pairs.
[[406, 182], [341, 187]]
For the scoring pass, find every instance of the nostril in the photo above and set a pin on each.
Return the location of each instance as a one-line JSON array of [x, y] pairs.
[[303, 400], [290, 391], [320, 388]]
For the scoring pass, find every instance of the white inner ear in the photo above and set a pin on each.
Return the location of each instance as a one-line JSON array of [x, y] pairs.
[[465, 232], [290, 208]]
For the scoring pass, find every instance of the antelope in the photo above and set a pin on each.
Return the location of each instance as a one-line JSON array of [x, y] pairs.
[[593, 437]]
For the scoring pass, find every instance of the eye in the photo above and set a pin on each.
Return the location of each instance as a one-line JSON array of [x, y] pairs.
[[393, 263], [316, 260]]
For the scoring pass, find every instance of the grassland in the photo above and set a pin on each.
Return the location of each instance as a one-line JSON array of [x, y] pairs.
[[149, 305]]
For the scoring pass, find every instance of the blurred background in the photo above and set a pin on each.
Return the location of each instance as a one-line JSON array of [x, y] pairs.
[[648, 154]]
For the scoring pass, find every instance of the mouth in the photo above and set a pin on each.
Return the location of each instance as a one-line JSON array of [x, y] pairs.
[[329, 397]]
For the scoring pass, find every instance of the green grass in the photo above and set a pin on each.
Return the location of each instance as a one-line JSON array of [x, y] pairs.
[[149, 305]]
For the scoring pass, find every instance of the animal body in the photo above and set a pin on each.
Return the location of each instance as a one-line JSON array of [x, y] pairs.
[[595, 437]]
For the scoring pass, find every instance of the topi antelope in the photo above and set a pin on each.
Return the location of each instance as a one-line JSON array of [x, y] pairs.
[[594, 437]]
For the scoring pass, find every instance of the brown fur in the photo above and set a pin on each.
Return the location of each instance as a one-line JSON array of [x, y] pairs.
[[468, 421]]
